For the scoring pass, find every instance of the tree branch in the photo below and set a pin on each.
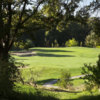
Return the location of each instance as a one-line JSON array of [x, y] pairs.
[[35, 10]]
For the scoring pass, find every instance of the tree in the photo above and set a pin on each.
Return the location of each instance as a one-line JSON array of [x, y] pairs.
[[95, 25], [15, 14], [94, 8], [92, 40], [20, 16], [95, 5]]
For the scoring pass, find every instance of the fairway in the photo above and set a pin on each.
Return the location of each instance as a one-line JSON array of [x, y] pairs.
[[49, 62]]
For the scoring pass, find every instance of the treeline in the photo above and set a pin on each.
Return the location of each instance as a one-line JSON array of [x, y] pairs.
[[75, 34]]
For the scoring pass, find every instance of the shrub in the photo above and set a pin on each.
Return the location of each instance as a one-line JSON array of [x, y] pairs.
[[33, 78], [28, 44], [71, 42], [8, 75], [97, 46], [55, 44], [23, 44], [92, 40], [92, 74], [18, 45], [65, 79]]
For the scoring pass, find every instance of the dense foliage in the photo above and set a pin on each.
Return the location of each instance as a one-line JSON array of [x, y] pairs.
[[92, 40], [71, 43], [8, 75], [18, 17], [92, 74]]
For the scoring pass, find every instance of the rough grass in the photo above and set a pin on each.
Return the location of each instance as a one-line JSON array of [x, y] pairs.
[[29, 93]]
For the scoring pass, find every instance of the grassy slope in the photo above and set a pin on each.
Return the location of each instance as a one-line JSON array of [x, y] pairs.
[[68, 95], [52, 60]]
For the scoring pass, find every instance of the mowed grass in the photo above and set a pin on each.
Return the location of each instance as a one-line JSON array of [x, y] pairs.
[[48, 62]]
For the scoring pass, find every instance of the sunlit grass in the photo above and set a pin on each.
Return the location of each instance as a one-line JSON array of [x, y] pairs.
[[49, 62]]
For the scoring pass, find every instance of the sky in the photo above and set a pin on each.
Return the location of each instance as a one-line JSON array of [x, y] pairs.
[[87, 2]]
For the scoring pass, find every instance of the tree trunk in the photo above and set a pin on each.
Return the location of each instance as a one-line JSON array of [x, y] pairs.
[[4, 54]]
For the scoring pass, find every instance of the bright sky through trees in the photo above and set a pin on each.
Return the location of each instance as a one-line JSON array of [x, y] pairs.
[[87, 2]]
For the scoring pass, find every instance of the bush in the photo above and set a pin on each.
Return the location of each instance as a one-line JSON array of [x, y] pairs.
[[71, 43], [92, 75], [97, 46], [56, 43], [92, 40], [32, 78], [23, 44], [28, 44], [8, 75], [65, 79]]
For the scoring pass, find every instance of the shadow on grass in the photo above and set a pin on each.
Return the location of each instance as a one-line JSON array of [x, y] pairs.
[[61, 90], [43, 53], [27, 55], [44, 81], [53, 55], [28, 96], [39, 50], [21, 59], [97, 97], [50, 50]]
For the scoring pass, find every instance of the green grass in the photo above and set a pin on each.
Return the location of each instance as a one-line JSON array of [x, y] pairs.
[[29, 93], [48, 63]]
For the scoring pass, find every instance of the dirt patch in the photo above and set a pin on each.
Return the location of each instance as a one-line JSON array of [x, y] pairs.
[[24, 53], [24, 67]]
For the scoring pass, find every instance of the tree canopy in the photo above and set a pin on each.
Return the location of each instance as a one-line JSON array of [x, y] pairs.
[[17, 15]]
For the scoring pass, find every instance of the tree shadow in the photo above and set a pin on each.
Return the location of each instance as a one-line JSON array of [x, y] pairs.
[[62, 90], [21, 59], [44, 81], [21, 52], [28, 96], [90, 97], [27, 55], [53, 55], [50, 50], [45, 55]]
